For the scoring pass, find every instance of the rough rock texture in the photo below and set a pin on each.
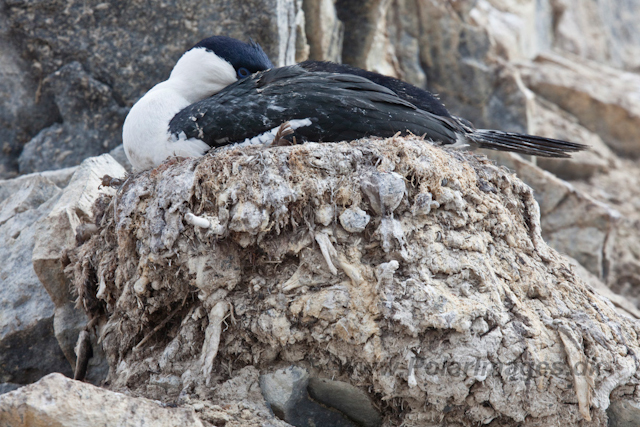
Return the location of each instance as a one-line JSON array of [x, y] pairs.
[[448, 307], [91, 122], [56, 401], [59, 231], [39, 218], [24, 111], [602, 30], [28, 347], [324, 31], [608, 105]]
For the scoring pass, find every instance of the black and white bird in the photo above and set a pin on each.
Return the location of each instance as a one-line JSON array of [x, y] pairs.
[[224, 91]]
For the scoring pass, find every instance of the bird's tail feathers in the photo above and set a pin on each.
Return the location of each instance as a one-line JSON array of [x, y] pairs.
[[523, 144]]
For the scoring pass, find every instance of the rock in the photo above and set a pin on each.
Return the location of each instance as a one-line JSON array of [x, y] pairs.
[[324, 31], [604, 100], [438, 311], [624, 413], [360, 19], [34, 192], [462, 61], [354, 220], [59, 177], [346, 398], [384, 191], [7, 387], [91, 122], [283, 389], [591, 31], [56, 234], [59, 401], [117, 49], [288, 392], [24, 110], [58, 230], [28, 347]]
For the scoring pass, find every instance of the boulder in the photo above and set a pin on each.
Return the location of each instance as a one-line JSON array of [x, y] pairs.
[[28, 347], [59, 401], [91, 122], [603, 99], [323, 30], [57, 233], [603, 31], [447, 303]]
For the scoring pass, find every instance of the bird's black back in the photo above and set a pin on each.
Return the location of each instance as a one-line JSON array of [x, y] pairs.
[[423, 99]]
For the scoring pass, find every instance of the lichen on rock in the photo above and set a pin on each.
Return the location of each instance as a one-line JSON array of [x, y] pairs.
[[415, 273]]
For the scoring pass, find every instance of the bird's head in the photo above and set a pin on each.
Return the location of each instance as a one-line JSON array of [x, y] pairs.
[[216, 62]]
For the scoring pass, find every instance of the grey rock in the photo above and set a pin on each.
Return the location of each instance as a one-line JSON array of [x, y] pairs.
[[28, 347], [440, 48], [7, 387], [286, 393], [346, 398], [91, 122], [120, 156], [31, 352], [605, 31], [24, 109], [59, 177], [598, 96], [360, 19], [57, 233], [31, 194], [282, 388], [58, 230], [624, 413], [68, 322], [354, 220], [59, 401], [384, 191], [324, 31], [132, 47]]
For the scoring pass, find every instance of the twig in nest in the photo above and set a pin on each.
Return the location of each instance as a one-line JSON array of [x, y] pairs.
[[160, 326], [84, 352], [284, 130]]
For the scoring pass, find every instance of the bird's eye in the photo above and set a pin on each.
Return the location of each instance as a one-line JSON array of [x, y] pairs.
[[243, 72]]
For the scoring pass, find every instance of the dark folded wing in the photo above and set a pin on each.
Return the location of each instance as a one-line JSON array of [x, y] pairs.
[[339, 106], [421, 98]]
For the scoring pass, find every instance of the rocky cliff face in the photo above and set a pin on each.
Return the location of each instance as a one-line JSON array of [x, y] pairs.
[[315, 283]]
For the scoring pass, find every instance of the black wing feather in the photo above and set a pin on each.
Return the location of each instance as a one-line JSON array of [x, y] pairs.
[[421, 98]]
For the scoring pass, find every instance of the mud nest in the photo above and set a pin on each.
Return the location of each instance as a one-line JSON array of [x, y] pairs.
[[382, 263]]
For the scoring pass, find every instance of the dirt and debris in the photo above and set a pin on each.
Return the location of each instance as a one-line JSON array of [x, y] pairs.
[[415, 273]]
